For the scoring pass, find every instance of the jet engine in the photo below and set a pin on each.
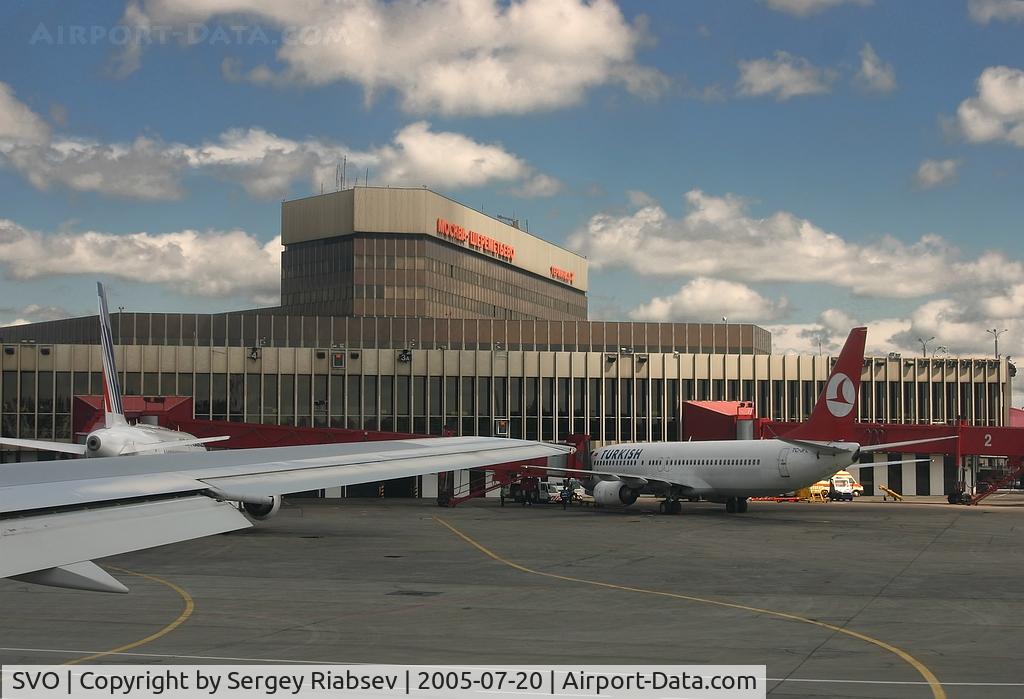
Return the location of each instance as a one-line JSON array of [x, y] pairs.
[[614, 493], [104, 443], [263, 510]]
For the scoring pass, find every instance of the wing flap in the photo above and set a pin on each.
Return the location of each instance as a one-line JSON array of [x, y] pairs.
[[84, 575], [74, 493], [38, 542]]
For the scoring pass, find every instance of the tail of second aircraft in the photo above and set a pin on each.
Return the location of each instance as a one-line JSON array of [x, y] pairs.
[[113, 411], [836, 409]]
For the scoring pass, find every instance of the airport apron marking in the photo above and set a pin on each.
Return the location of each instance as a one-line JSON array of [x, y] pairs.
[[190, 607], [933, 682]]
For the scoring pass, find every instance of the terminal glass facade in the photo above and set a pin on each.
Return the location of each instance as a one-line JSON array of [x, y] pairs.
[[416, 275], [542, 395]]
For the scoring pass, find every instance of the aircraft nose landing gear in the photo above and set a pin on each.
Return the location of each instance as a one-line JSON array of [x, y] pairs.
[[736, 505]]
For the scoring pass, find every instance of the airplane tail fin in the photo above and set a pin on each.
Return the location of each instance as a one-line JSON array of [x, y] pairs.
[[836, 409], [113, 411]]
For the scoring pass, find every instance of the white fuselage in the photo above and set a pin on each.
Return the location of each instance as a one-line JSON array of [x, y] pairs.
[[741, 468], [118, 440]]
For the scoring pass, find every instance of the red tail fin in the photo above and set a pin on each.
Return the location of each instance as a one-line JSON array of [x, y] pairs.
[[836, 409]]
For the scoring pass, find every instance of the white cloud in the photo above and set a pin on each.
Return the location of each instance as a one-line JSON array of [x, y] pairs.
[[450, 159], [828, 333], [479, 57], [18, 123], [934, 173], [265, 164], [875, 75], [959, 327], [32, 313], [538, 186], [783, 76], [806, 8], [985, 11], [209, 263], [997, 113], [718, 238], [704, 299], [143, 169]]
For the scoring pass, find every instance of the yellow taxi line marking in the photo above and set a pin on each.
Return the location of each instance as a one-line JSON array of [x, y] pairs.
[[190, 607], [933, 682]]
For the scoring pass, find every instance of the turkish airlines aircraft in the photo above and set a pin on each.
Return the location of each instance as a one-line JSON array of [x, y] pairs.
[[117, 437], [732, 471]]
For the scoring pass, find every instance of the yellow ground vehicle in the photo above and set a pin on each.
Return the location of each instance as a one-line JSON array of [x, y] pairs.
[[841, 486]]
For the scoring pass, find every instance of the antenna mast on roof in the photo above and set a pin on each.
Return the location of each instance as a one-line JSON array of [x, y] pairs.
[[510, 220]]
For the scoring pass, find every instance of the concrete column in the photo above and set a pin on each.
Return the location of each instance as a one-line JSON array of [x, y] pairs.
[[909, 477], [935, 470], [333, 492], [881, 473]]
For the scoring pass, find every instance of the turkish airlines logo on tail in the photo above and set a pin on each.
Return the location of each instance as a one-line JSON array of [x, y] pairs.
[[840, 395]]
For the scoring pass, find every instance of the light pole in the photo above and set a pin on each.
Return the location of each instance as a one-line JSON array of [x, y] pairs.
[[924, 345], [725, 362], [995, 336]]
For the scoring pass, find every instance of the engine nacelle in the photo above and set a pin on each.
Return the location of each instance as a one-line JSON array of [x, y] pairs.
[[614, 493], [104, 442], [262, 511]]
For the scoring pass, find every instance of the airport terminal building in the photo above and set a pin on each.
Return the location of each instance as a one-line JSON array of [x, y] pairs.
[[404, 310]]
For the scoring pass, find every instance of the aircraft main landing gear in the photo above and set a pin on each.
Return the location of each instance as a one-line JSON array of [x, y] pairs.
[[670, 506], [736, 505]]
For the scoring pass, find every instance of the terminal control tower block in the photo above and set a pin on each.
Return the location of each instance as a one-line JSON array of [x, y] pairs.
[[388, 251]]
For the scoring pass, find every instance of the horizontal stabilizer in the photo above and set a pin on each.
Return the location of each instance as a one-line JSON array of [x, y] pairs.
[[85, 575], [868, 448], [62, 447], [866, 464], [142, 449]]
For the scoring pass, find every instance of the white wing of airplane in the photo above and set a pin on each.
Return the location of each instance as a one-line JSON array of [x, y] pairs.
[[56, 516]]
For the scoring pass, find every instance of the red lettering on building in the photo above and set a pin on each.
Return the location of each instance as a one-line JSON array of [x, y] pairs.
[[475, 240], [562, 275]]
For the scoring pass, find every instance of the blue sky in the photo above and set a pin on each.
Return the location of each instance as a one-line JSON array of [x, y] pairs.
[[773, 161]]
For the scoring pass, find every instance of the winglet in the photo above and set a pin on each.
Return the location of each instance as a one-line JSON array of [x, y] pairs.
[[836, 409], [113, 411]]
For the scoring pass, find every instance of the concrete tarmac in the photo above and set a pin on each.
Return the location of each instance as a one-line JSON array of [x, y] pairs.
[[382, 581]]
